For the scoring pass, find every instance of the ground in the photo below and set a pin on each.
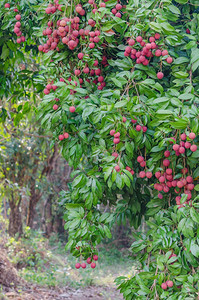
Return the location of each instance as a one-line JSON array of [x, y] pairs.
[[49, 274]]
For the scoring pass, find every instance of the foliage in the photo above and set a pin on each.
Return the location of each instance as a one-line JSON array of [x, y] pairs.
[[169, 251], [119, 111]]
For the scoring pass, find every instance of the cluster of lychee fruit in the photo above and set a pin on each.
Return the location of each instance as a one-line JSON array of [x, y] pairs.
[[94, 72], [52, 8], [142, 162], [17, 27], [166, 179], [139, 127], [117, 10], [146, 51], [167, 284], [89, 262]]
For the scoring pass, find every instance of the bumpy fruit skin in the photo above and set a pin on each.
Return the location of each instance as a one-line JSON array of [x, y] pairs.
[[164, 286], [160, 75], [138, 128], [142, 174], [66, 135], [55, 106], [112, 132], [95, 257], [18, 17], [7, 5], [193, 148], [169, 283], [83, 265], [61, 137], [72, 109], [117, 168], [89, 260], [192, 135], [93, 265], [78, 265]]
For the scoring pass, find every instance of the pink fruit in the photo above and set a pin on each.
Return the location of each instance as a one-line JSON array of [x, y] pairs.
[[89, 260], [151, 39], [183, 136], [133, 121], [166, 162], [7, 5], [61, 137], [83, 265], [157, 174], [131, 42], [187, 145], [72, 109], [132, 172], [162, 179], [95, 257], [164, 286], [169, 171], [178, 200], [117, 135], [190, 186], [117, 168], [112, 132], [189, 179], [93, 265], [55, 106], [139, 39], [180, 184], [18, 17], [115, 154], [80, 55], [142, 174], [66, 135], [149, 174], [181, 150], [192, 135], [174, 183], [176, 147], [164, 52], [78, 9], [116, 140], [124, 119], [188, 31], [118, 15], [167, 153], [144, 128], [78, 265], [157, 36], [193, 148], [143, 164], [160, 196], [160, 75], [40, 48], [138, 127], [118, 6], [169, 283], [169, 60], [158, 53], [140, 159]]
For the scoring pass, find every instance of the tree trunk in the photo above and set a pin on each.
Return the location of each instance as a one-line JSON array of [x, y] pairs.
[[15, 219], [34, 198]]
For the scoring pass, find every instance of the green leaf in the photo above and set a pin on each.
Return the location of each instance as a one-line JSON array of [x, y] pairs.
[[107, 232], [194, 215]]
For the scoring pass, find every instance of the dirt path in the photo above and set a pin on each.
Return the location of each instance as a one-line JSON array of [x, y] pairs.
[[88, 293]]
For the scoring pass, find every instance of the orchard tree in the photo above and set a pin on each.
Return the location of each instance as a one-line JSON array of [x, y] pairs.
[[121, 97]]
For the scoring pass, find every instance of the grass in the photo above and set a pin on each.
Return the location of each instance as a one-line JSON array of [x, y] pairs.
[[45, 264]]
